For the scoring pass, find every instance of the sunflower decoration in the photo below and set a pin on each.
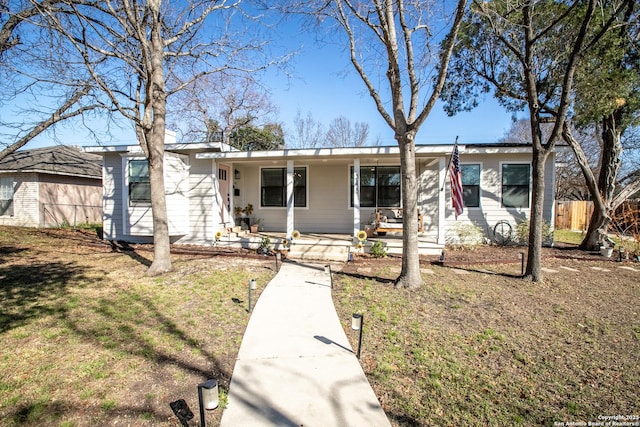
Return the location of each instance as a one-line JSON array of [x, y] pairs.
[[359, 246], [361, 236], [295, 235], [285, 243], [218, 235]]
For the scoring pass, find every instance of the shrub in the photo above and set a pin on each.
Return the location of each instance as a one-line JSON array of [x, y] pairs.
[[377, 250], [465, 235], [522, 233]]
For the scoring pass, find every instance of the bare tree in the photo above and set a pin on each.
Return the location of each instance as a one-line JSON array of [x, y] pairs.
[[395, 47], [570, 182], [222, 102], [307, 133], [139, 53], [342, 133], [33, 65]]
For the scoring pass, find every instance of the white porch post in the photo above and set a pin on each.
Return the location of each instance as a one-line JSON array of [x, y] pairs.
[[211, 235], [290, 201], [230, 218], [441, 200], [356, 196]]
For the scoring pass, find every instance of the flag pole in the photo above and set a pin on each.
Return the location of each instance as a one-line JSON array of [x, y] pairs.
[[446, 171]]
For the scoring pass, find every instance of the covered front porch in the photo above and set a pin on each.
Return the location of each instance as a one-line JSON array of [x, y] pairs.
[[327, 192]]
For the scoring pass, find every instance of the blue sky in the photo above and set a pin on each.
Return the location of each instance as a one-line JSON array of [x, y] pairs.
[[328, 87], [324, 84]]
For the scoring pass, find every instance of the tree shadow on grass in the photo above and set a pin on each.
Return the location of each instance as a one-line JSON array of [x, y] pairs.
[[128, 250], [32, 413], [379, 279], [134, 324], [28, 292]]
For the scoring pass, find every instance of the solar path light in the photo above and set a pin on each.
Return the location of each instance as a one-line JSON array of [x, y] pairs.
[[207, 398], [252, 287], [327, 269], [357, 324]]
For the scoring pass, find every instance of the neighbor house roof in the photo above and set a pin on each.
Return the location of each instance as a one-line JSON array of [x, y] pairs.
[[56, 160]]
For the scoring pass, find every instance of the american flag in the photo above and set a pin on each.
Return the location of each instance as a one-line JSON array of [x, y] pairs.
[[455, 177]]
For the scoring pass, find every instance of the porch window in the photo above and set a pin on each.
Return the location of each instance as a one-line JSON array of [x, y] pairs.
[[515, 185], [273, 187], [6, 196], [471, 185], [379, 186], [139, 184]]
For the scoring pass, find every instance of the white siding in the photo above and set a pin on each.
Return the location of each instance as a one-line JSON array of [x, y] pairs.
[[203, 217], [112, 180], [491, 210], [176, 181], [327, 209], [196, 209], [428, 194], [176, 185], [26, 210]]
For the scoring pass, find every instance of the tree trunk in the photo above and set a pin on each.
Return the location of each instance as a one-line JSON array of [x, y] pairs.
[[534, 256], [609, 167], [161, 243], [592, 237], [410, 276], [155, 140]]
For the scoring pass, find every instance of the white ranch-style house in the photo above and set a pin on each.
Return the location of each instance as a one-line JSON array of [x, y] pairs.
[[323, 191]]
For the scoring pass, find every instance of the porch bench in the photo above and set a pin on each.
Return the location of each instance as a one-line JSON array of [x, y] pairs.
[[389, 220]]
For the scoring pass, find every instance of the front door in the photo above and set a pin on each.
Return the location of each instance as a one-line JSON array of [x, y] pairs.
[[223, 185]]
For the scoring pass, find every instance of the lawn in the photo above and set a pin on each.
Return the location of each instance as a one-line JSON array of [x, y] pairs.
[[478, 346], [88, 339]]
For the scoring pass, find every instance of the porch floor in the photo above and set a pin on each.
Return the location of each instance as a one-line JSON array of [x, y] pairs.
[[320, 246]]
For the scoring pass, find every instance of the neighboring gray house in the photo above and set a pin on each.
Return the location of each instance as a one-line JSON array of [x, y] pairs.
[[50, 186], [323, 190]]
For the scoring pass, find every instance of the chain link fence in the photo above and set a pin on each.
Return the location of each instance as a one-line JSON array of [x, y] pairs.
[[68, 215]]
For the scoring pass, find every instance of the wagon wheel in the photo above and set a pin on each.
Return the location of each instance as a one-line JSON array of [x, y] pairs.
[[502, 232]]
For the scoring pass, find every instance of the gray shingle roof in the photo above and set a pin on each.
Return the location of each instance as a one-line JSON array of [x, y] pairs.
[[56, 160]]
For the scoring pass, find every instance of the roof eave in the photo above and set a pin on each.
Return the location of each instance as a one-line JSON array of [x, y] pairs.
[[48, 172], [421, 150]]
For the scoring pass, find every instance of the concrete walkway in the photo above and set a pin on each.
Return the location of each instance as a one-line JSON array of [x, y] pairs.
[[295, 366]]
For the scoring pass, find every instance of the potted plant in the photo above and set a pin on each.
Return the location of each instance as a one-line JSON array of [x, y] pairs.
[[265, 246], [606, 251], [256, 224]]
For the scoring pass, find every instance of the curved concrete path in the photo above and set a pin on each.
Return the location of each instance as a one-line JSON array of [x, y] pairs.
[[295, 366]]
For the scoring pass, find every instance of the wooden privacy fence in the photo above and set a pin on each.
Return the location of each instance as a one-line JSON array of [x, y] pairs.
[[573, 215]]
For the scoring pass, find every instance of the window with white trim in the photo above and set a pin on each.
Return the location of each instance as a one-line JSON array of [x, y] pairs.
[[515, 185], [273, 187], [139, 183], [6, 196], [379, 186], [471, 185]]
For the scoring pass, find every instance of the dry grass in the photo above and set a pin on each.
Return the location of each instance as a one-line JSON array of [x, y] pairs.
[[88, 339], [477, 346]]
